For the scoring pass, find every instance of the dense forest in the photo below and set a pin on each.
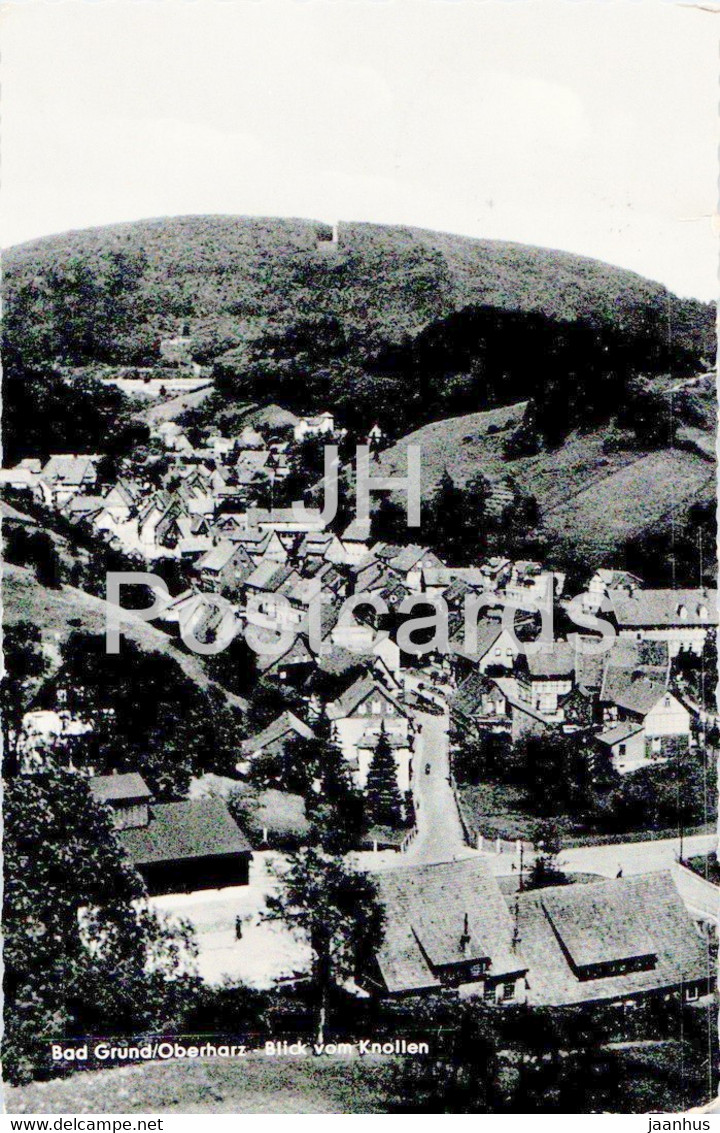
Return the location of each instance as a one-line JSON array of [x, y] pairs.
[[436, 323]]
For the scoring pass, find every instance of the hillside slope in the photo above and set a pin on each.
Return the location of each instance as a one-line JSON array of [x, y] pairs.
[[589, 498], [59, 613]]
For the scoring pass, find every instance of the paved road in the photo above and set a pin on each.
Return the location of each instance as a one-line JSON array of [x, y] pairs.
[[631, 857], [439, 837], [635, 857]]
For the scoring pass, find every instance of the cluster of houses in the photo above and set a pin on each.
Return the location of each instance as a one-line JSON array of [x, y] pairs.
[[626, 696], [208, 491], [282, 570]]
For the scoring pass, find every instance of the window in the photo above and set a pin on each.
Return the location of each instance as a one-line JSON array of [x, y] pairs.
[[362, 709], [489, 994], [682, 612], [508, 991], [377, 707], [622, 749], [692, 993]]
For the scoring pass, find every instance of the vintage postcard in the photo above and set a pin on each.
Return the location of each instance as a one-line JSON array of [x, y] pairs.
[[360, 612]]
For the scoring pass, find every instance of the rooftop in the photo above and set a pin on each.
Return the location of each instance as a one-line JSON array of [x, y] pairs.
[[196, 828], [286, 722], [118, 788], [639, 918], [426, 910], [634, 690], [665, 607], [362, 688], [619, 732]]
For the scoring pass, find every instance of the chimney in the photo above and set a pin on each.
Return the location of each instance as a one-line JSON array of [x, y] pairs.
[[465, 938], [516, 925]]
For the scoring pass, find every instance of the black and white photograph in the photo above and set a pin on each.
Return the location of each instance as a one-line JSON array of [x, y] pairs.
[[359, 707]]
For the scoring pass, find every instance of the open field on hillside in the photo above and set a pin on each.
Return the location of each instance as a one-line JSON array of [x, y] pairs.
[[256, 1084], [597, 499], [173, 407]]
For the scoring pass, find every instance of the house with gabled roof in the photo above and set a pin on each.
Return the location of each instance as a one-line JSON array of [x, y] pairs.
[[266, 591], [301, 592], [221, 446], [446, 925], [187, 846], [127, 795], [196, 613], [618, 941], [524, 719], [66, 475], [317, 426], [355, 539], [545, 676], [322, 545], [260, 545], [291, 666], [530, 585], [479, 703], [227, 523], [22, 478], [436, 580], [408, 562], [83, 507], [623, 745], [604, 581], [225, 568], [681, 618], [251, 466], [121, 499], [359, 714], [273, 739], [250, 438], [644, 718], [494, 649], [71, 469], [370, 573]]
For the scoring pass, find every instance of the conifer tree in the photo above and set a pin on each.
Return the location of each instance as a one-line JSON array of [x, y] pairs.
[[384, 803]]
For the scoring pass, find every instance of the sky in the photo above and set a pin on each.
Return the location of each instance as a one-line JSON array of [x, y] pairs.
[[586, 125]]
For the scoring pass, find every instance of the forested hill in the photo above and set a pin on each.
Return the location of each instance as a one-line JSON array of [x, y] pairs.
[[388, 317], [225, 273]]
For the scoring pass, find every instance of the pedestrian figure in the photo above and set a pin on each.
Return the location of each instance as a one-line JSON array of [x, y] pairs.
[[619, 872], [238, 928]]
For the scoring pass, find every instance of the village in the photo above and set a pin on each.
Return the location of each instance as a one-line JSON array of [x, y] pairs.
[[458, 882]]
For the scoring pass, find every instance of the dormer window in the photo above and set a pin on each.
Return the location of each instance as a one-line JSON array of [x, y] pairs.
[[702, 612], [682, 613]]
